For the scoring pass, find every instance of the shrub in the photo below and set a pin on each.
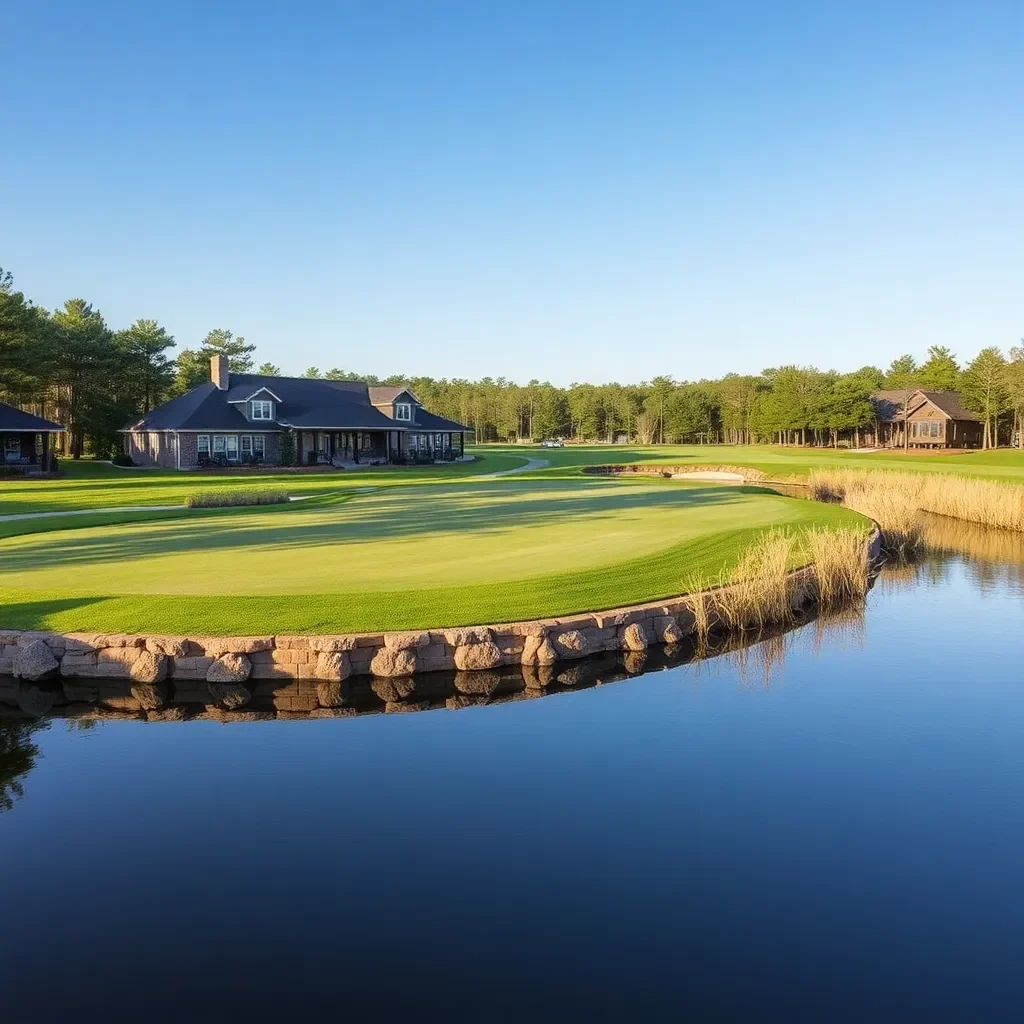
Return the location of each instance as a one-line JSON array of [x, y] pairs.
[[228, 497], [11, 470], [288, 449], [310, 458], [121, 459]]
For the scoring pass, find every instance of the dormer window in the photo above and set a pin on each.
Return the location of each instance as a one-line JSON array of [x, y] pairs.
[[403, 411], [262, 410]]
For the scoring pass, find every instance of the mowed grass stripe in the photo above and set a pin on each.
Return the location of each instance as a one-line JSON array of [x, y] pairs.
[[634, 580], [413, 539]]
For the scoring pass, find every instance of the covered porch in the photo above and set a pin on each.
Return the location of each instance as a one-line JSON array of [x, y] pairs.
[[26, 442], [377, 447]]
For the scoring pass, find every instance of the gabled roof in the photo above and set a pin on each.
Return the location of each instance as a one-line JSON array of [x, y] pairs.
[[18, 421], [950, 403], [386, 395], [889, 404], [259, 391], [302, 402], [202, 408]]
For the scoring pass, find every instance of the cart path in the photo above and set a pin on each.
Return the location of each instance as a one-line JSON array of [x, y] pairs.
[[528, 463]]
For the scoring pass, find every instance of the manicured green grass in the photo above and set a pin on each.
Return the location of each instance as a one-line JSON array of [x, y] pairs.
[[97, 485], [90, 485], [779, 463], [474, 550]]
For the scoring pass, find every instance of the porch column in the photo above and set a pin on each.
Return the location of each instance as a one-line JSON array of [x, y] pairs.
[[462, 445]]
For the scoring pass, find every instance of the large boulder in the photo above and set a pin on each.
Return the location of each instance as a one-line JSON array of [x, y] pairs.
[[333, 666], [666, 628], [634, 638], [174, 646], [391, 663], [571, 644], [406, 640], [35, 661], [467, 635], [229, 668], [475, 657], [148, 667], [538, 650]]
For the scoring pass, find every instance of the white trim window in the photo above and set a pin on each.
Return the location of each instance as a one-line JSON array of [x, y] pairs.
[[262, 410], [219, 441], [259, 445], [403, 411], [203, 444], [231, 447]]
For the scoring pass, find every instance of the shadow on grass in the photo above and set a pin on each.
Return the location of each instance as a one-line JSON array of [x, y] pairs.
[[371, 518], [36, 614]]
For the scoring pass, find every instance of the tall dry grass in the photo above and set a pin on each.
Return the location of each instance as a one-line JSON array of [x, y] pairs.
[[759, 591], [894, 499], [764, 591], [840, 563]]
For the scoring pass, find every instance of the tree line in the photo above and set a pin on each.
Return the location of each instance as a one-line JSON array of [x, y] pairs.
[[70, 365]]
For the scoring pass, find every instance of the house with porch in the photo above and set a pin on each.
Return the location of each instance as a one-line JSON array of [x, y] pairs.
[[934, 419], [241, 418], [25, 440]]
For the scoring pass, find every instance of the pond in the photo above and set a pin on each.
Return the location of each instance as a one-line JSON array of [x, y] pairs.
[[824, 825]]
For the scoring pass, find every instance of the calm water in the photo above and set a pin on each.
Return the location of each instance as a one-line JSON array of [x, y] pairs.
[[827, 826]]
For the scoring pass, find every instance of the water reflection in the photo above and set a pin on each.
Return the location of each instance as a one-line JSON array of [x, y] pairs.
[[986, 559], [18, 755]]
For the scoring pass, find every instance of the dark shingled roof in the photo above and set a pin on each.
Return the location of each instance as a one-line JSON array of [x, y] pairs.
[[303, 402], [428, 421], [18, 422], [951, 404], [889, 404]]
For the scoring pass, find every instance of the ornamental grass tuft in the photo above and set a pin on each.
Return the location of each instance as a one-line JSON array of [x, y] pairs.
[[230, 498]]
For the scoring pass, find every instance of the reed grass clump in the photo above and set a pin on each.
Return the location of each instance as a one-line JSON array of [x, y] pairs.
[[759, 592], [238, 496], [840, 564], [897, 497]]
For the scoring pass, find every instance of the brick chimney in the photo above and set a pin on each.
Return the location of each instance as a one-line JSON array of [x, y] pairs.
[[219, 371]]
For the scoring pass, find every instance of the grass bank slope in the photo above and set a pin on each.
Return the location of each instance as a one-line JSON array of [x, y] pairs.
[[451, 554]]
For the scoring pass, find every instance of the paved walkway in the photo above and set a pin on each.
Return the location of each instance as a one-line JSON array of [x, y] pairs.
[[530, 463], [89, 512]]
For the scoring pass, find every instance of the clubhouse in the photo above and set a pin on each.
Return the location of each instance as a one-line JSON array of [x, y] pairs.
[[238, 419]]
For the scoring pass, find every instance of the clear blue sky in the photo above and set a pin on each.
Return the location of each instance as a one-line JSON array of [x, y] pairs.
[[555, 190]]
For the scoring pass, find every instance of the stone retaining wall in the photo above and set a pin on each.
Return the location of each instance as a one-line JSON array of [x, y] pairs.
[[230, 672]]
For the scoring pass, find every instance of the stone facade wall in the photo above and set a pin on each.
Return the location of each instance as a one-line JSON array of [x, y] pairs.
[[302, 673]]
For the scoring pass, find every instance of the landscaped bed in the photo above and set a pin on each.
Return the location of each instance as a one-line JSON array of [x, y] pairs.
[[465, 551]]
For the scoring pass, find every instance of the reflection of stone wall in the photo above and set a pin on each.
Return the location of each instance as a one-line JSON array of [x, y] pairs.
[[305, 674]]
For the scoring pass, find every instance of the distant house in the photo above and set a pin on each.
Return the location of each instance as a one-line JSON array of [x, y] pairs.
[[240, 419], [25, 439], [935, 419]]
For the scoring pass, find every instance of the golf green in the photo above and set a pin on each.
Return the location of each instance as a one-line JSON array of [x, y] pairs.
[[448, 553]]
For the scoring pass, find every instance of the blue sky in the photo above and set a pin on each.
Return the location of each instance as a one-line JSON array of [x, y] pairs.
[[555, 190]]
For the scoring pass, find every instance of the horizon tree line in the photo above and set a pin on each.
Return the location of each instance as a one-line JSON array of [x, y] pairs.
[[69, 364]]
